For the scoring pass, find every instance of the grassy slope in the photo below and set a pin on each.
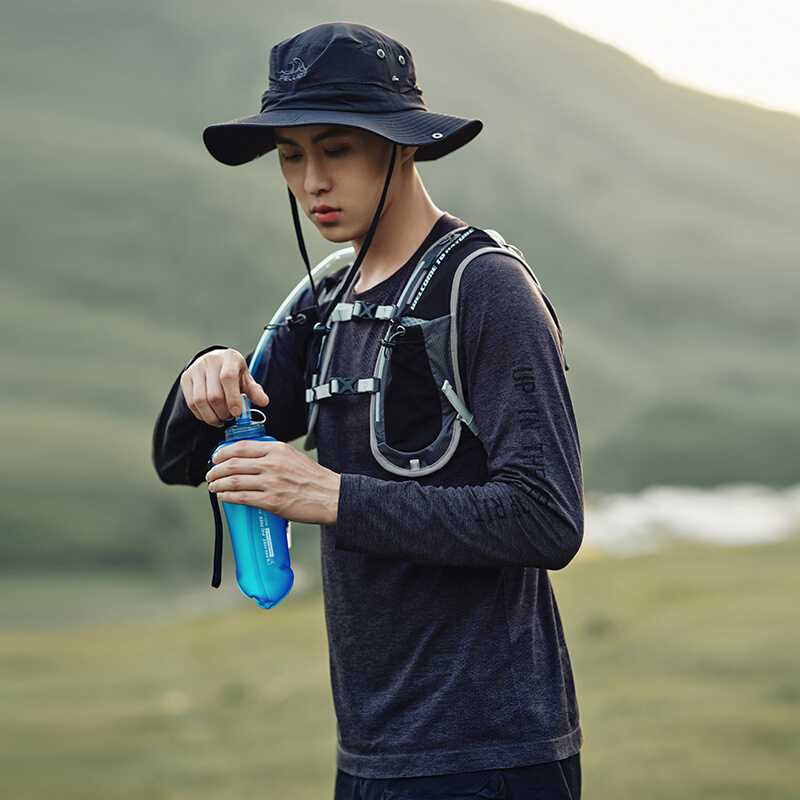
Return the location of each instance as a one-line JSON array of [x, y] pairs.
[[660, 221], [686, 664]]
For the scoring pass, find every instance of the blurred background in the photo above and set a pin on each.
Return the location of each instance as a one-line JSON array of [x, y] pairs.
[[661, 220]]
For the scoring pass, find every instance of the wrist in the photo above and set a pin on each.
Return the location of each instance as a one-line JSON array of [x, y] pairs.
[[332, 504]]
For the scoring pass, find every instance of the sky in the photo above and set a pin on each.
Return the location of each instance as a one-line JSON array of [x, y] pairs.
[[745, 49]]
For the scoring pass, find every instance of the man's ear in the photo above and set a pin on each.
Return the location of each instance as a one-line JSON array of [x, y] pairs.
[[406, 153]]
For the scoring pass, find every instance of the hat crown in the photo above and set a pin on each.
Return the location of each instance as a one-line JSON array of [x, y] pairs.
[[344, 60]]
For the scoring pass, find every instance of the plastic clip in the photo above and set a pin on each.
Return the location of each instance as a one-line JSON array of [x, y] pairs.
[[389, 342]]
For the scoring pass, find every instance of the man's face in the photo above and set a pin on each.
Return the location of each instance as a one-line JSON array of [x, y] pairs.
[[337, 175]]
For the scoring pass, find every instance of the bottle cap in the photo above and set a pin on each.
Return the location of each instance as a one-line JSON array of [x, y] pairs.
[[245, 428]]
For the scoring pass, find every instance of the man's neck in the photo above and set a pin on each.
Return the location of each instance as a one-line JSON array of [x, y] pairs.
[[403, 226]]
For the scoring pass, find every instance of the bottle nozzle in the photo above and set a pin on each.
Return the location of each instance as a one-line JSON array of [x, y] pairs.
[[245, 418]]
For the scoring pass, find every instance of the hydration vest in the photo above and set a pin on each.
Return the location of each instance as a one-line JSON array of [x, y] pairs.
[[417, 365], [417, 362]]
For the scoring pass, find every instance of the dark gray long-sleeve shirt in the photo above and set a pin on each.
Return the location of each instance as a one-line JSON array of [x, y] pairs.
[[446, 646]]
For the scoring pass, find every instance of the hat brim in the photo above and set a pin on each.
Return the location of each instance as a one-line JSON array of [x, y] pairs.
[[241, 140]]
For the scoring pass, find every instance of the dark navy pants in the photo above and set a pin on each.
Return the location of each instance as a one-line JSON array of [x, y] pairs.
[[556, 780]]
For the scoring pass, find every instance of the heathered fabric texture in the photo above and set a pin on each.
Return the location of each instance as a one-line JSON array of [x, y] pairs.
[[446, 647]]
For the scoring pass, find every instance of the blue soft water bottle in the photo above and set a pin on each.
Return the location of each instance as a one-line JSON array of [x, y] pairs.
[[260, 539]]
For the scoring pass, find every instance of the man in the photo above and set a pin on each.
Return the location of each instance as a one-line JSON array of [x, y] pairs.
[[449, 668]]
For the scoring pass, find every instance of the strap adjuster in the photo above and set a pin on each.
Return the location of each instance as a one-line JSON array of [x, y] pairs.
[[462, 412]]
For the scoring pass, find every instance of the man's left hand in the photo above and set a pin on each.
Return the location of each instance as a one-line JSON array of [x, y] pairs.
[[278, 478]]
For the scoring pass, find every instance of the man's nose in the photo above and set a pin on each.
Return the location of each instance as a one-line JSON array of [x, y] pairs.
[[316, 177]]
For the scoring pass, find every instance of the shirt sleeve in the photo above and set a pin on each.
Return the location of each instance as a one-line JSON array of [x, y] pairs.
[[182, 444], [530, 510]]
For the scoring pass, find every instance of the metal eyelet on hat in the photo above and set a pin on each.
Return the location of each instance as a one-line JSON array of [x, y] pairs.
[[380, 53], [395, 79], [437, 135], [402, 60]]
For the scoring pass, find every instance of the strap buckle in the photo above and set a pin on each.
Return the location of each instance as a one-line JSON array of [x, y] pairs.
[[344, 386]]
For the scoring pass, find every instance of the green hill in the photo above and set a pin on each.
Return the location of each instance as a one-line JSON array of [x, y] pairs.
[[661, 221]]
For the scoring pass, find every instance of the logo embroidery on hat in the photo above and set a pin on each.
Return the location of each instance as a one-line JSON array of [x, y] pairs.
[[297, 69]]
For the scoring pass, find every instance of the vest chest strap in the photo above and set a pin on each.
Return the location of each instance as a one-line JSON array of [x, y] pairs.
[[341, 386], [344, 312]]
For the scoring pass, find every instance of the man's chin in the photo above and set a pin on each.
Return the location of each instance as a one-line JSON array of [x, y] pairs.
[[334, 234]]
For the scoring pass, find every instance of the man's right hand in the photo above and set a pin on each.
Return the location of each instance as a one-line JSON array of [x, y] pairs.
[[213, 385]]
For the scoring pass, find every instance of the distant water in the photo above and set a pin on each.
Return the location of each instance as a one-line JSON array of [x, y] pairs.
[[740, 514]]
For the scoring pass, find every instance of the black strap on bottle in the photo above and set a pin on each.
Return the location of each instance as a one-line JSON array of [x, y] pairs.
[[216, 578]]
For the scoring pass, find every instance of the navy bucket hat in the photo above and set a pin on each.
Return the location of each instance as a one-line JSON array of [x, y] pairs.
[[342, 73]]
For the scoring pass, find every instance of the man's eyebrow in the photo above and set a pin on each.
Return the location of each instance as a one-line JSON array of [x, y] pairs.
[[328, 133]]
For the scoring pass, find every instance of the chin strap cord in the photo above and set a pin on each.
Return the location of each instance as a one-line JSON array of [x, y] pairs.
[[301, 243]]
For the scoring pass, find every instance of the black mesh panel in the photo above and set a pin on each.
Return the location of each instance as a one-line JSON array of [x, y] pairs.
[[413, 416]]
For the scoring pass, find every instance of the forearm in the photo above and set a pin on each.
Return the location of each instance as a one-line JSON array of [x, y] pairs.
[[498, 524]]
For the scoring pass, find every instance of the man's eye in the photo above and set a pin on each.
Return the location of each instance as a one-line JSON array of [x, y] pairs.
[[336, 152], [290, 156]]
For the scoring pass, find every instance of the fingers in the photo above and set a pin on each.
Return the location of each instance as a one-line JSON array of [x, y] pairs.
[[247, 466], [237, 483], [254, 390], [252, 499], [197, 396], [234, 466], [241, 468], [245, 453], [227, 385], [213, 385]]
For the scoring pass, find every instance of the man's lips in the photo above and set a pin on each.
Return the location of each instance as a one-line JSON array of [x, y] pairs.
[[325, 214]]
